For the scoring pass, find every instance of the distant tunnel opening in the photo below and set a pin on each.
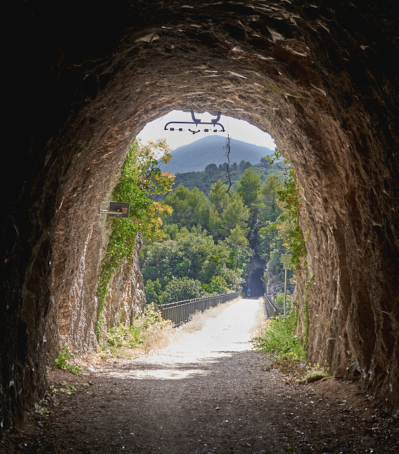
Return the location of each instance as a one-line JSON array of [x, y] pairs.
[[255, 282]]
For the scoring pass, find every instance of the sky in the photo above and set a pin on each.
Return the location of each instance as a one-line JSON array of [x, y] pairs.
[[237, 129]]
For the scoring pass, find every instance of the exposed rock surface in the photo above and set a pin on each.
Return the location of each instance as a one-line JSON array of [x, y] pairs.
[[83, 79], [126, 297]]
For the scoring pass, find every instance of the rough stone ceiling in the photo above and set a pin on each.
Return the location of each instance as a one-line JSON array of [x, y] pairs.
[[85, 79]]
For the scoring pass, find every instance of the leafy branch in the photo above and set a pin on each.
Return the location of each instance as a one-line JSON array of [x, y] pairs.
[[290, 201]]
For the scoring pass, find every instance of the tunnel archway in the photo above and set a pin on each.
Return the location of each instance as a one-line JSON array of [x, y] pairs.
[[254, 282], [316, 77]]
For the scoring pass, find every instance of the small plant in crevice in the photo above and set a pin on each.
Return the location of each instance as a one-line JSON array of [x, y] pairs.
[[63, 361], [42, 411], [67, 389]]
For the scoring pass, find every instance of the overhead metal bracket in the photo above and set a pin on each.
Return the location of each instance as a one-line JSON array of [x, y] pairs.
[[197, 121]]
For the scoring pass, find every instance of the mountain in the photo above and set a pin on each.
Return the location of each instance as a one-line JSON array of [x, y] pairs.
[[195, 156]]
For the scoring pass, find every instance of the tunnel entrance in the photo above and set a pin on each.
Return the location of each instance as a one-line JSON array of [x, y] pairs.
[[255, 283], [318, 78], [224, 193]]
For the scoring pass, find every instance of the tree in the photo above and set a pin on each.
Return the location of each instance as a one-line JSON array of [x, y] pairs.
[[211, 169], [217, 286], [265, 162], [244, 165], [248, 187], [153, 291], [189, 207], [192, 254], [227, 212], [182, 289], [269, 195], [218, 196]]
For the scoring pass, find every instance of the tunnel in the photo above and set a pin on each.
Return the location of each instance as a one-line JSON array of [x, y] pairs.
[[82, 79], [254, 283]]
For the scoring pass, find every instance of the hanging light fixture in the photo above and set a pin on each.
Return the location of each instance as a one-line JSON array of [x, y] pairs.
[[197, 121]]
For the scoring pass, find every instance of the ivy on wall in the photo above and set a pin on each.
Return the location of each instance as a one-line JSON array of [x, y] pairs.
[[140, 178], [288, 224], [290, 202]]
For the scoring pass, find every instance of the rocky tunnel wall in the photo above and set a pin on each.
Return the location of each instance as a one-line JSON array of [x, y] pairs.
[[83, 80]]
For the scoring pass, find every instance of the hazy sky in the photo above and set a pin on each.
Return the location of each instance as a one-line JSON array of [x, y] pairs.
[[237, 129]]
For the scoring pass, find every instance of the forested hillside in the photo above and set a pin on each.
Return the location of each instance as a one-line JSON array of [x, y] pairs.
[[195, 156], [211, 240], [212, 173]]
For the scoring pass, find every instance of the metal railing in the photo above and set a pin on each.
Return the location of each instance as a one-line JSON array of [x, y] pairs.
[[269, 308], [180, 311]]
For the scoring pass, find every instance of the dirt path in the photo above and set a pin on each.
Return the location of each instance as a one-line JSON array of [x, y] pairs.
[[208, 394]]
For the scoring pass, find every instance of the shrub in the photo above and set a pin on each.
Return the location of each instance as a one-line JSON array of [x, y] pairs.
[[182, 289], [280, 301], [153, 291], [139, 332], [279, 338], [218, 285]]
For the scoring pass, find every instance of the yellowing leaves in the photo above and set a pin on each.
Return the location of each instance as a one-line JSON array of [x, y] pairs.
[[140, 178]]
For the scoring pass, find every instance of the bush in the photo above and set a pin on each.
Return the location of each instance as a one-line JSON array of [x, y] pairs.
[[182, 289], [136, 335], [153, 291], [280, 301], [218, 285], [279, 338]]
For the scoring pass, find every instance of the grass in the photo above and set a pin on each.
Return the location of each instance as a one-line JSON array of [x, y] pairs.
[[277, 338], [148, 333]]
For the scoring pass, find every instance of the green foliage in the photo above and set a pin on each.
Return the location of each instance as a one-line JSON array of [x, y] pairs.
[[42, 411], [307, 323], [63, 361], [279, 338], [135, 335], [153, 291], [194, 255], [66, 389], [266, 239], [242, 224], [290, 202], [248, 187], [190, 208], [269, 195], [217, 286], [179, 289], [279, 301], [204, 180], [227, 215], [140, 178]]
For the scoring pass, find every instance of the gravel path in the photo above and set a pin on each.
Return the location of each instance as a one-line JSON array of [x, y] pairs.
[[210, 393]]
